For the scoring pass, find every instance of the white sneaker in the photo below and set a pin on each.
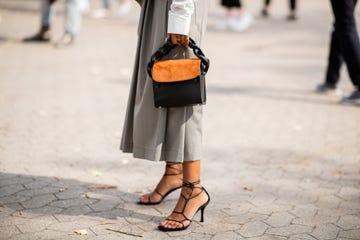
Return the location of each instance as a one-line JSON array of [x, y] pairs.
[[124, 9], [241, 23], [325, 88]]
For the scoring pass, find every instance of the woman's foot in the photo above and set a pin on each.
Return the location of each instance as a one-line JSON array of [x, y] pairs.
[[193, 198], [171, 181]]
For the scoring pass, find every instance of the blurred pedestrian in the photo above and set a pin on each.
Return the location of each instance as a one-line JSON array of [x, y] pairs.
[[172, 134], [293, 9], [237, 18], [124, 9], [72, 23], [344, 47]]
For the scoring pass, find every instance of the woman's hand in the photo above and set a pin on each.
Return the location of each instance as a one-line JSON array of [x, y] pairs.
[[179, 39]]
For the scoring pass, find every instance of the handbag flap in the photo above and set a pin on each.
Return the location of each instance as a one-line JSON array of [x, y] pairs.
[[176, 70]]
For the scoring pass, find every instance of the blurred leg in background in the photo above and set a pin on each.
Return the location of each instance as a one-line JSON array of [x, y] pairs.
[[237, 18], [48, 9], [124, 8], [72, 23], [292, 5], [344, 47]]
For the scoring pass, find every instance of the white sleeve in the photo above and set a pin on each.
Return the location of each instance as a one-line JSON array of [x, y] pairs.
[[180, 16]]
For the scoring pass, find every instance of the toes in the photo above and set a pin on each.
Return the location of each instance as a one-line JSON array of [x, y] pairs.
[[170, 224], [144, 198]]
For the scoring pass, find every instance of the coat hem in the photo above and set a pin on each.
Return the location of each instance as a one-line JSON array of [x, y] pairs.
[[155, 155]]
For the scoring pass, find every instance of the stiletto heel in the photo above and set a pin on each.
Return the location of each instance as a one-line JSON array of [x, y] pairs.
[[202, 214], [163, 196], [192, 186]]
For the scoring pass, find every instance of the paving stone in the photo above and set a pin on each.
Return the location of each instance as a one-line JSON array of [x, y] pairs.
[[330, 201], [70, 227], [40, 191], [72, 202], [236, 209], [269, 209], [39, 201], [74, 211], [245, 218], [112, 214], [215, 228], [13, 199], [302, 237], [252, 229], [268, 237], [199, 236], [263, 199], [114, 236], [215, 216], [15, 180], [226, 235], [305, 211], [325, 231], [351, 204], [312, 221], [290, 230], [12, 221], [50, 234], [136, 218], [155, 234], [130, 228], [14, 206], [335, 212], [35, 184], [5, 212], [70, 193], [10, 189], [8, 231], [101, 228], [349, 192], [352, 234], [150, 211], [46, 210], [280, 219], [348, 222], [37, 224], [103, 205]]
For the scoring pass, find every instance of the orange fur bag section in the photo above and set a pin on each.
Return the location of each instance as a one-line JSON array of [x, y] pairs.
[[176, 70]]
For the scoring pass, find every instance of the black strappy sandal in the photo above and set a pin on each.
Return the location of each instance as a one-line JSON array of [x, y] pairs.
[[163, 196], [187, 199]]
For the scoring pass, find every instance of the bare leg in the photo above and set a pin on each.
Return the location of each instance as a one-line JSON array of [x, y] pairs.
[[172, 179], [265, 10], [198, 197]]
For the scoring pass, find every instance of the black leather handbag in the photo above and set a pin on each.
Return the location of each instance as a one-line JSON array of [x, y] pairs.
[[178, 82]]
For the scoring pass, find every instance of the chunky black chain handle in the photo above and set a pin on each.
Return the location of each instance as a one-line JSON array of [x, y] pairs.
[[168, 46]]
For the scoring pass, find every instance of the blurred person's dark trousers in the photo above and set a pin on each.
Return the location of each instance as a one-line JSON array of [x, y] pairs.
[[345, 45]]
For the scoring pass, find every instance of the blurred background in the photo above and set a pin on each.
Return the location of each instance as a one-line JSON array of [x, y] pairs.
[[67, 104]]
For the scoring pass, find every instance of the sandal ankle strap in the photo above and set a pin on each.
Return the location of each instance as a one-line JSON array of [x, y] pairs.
[[190, 184]]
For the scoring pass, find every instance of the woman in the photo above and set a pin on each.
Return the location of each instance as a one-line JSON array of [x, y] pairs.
[[292, 5], [167, 134]]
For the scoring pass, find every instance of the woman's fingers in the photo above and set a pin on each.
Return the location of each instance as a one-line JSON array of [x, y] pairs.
[[178, 39]]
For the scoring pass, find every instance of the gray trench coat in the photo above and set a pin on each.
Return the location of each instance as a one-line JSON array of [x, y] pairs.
[[161, 134]]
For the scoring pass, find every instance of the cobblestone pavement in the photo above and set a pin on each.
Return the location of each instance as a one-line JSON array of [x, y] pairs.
[[281, 162]]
